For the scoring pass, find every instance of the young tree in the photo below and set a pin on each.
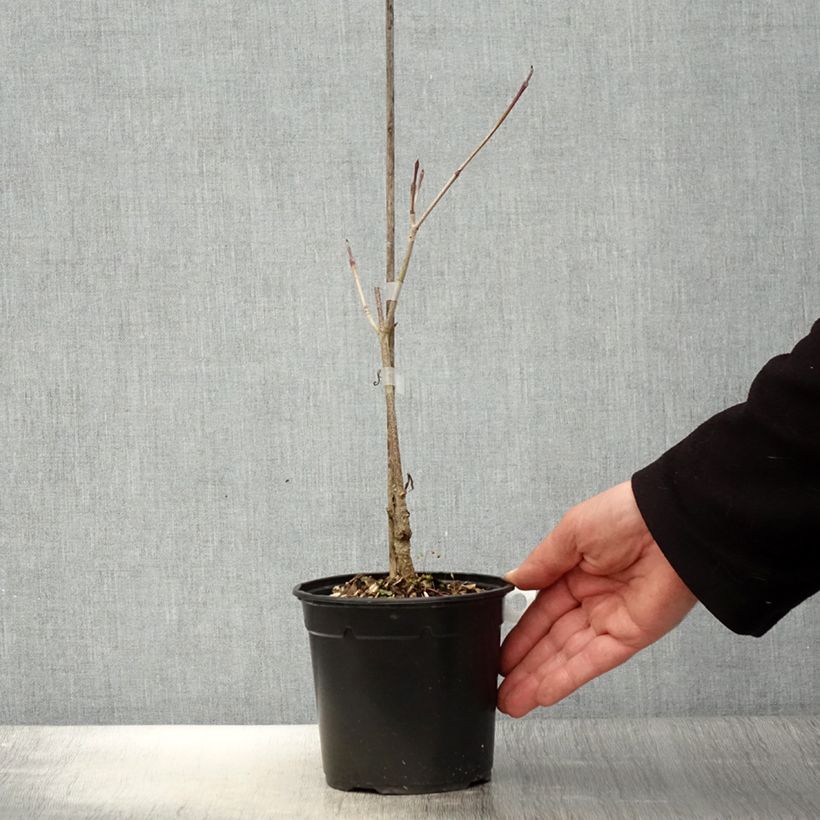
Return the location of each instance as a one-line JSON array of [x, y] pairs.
[[384, 325]]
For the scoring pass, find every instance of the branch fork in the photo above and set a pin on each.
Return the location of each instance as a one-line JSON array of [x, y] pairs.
[[386, 323]]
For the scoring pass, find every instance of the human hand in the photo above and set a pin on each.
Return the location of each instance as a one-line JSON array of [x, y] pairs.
[[607, 591]]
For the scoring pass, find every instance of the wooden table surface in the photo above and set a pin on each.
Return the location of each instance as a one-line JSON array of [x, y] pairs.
[[762, 767]]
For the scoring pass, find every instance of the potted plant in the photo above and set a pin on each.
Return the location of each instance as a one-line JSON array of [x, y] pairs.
[[405, 663]]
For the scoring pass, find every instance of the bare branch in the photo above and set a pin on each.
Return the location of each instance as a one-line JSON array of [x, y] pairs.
[[483, 142], [405, 263], [353, 268], [378, 294], [415, 186]]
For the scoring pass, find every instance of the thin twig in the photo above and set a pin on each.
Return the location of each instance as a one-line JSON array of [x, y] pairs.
[[352, 262], [483, 142], [414, 189], [378, 295]]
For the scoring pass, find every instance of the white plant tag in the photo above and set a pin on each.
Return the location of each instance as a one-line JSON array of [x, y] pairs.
[[391, 376], [516, 603]]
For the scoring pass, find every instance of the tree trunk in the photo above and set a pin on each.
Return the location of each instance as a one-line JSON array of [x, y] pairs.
[[398, 516]]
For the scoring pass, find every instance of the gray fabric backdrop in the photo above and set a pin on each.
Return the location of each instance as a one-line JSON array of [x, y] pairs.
[[188, 422]]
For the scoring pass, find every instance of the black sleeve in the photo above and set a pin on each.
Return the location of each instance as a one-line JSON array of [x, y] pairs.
[[735, 506]]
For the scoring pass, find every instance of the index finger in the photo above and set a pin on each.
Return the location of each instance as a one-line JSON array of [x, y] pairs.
[[555, 556]]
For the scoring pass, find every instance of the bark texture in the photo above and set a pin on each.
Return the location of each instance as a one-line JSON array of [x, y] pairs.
[[398, 516]]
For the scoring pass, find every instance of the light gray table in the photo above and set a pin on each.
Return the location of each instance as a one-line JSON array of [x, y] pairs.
[[710, 767]]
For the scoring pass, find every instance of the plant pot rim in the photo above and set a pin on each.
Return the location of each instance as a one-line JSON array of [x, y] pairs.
[[316, 591]]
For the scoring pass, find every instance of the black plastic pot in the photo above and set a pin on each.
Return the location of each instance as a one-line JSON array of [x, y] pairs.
[[405, 688]]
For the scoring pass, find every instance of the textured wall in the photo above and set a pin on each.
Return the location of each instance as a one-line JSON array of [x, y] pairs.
[[187, 421]]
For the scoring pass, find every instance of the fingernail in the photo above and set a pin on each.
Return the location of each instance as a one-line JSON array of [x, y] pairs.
[[509, 575]]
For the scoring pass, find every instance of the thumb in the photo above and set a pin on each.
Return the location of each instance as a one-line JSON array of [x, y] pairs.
[[550, 560]]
